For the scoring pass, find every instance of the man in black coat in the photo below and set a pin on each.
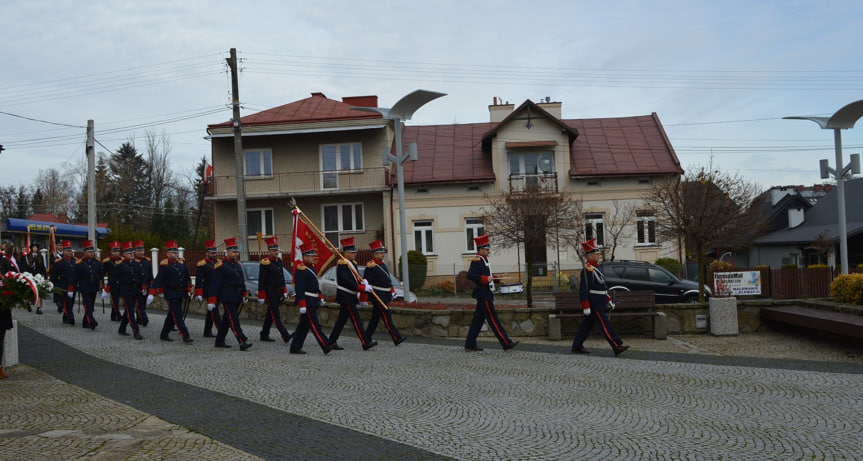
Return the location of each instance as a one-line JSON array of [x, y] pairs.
[[379, 277], [174, 283], [229, 289], [272, 290], [63, 275], [308, 300], [88, 282], [480, 274], [350, 287], [203, 279]]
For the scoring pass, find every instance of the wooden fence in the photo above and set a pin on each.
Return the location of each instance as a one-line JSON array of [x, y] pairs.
[[790, 283]]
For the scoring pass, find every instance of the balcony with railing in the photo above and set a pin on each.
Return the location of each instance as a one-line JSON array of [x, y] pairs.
[[533, 183], [301, 183]]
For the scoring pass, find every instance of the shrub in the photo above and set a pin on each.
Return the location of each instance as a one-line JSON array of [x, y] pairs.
[[446, 287], [789, 266], [720, 266], [817, 266], [462, 284], [671, 265], [417, 268], [848, 288]]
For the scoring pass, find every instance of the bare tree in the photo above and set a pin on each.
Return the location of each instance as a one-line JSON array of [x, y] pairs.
[[158, 166], [57, 190], [707, 209], [530, 218], [619, 225]]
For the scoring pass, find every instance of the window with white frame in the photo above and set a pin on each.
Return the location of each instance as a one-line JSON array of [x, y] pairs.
[[645, 223], [260, 220], [259, 162], [424, 236], [473, 227], [594, 227], [342, 217], [339, 158], [531, 163]]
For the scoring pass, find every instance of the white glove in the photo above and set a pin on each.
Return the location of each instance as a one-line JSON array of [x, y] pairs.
[[143, 292], [104, 294], [199, 298], [70, 294], [586, 312], [211, 306], [302, 310], [149, 299], [286, 296], [261, 300], [245, 300], [368, 286], [161, 295]]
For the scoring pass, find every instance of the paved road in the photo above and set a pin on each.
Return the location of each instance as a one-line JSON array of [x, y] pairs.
[[427, 399]]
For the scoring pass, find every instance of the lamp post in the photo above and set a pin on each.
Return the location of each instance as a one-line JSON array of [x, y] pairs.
[[843, 119], [403, 110]]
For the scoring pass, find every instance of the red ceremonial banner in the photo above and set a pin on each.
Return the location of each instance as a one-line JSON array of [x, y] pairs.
[[303, 234]]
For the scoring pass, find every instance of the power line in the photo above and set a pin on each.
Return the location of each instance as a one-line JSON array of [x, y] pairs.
[[41, 121]]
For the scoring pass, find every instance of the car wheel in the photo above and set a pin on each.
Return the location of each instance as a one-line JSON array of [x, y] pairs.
[[691, 299]]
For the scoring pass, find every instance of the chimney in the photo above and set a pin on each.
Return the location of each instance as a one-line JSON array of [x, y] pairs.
[[499, 111], [361, 101]]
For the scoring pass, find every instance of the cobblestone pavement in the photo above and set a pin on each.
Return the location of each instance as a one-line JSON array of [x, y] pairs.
[[756, 396]]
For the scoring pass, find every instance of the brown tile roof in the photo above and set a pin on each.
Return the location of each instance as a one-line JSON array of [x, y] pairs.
[[317, 108], [447, 153], [624, 146]]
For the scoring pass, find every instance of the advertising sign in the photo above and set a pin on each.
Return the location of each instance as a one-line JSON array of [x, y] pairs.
[[745, 283]]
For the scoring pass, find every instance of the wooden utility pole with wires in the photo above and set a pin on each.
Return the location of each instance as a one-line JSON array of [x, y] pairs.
[[242, 225]]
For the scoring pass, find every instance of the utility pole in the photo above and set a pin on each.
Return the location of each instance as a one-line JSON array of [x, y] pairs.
[[91, 183], [242, 225]]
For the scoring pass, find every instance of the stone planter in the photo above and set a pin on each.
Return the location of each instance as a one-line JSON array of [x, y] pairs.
[[10, 346], [723, 316]]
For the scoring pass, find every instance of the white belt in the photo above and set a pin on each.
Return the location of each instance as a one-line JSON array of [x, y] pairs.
[[313, 295], [381, 288], [598, 292], [346, 290]]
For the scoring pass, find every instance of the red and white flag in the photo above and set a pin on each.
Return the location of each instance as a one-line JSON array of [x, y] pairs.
[[303, 234]]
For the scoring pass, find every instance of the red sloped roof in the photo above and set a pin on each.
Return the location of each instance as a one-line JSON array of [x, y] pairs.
[[447, 153], [317, 108], [624, 146]]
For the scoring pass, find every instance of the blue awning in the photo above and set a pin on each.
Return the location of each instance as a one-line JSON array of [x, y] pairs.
[[21, 226]]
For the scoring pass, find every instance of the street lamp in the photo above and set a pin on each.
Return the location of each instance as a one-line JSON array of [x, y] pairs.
[[843, 119], [403, 110]]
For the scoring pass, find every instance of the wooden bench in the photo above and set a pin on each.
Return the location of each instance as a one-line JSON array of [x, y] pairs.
[[628, 304], [839, 323]]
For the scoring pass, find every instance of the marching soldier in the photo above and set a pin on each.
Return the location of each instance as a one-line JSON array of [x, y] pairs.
[[349, 289], [108, 265], [308, 299], [124, 278], [272, 289], [145, 275], [62, 275], [203, 279], [228, 287], [593, 294], [88, 282], [379, 277], [480, 274], [175, 284]]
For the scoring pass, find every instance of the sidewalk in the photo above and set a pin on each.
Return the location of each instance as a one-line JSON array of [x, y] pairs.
[[95, 395]]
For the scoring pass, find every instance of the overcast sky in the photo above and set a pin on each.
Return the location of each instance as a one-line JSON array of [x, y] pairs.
[[720, 75]]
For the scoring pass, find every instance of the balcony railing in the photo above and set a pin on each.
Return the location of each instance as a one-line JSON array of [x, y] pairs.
[[300, 183], [533, 183]]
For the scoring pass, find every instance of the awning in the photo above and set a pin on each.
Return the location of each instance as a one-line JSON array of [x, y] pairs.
[[21, 226]]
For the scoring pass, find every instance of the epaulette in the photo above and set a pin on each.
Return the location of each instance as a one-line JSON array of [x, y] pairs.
[[181, 260], [202, 263], [218, 264], [301, 267], [476, 259], [163, 262], [106, 260], [266, 262], [146, 258], [57, 260], [371, 264], [588, 267], [343, 261], [78, 261]]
